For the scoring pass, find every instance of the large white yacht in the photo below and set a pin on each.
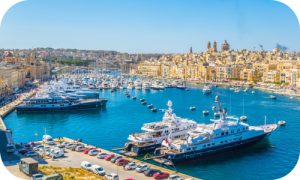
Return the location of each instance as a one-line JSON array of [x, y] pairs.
[[207, 89], [146, 85], [156, 132], [223, 136]]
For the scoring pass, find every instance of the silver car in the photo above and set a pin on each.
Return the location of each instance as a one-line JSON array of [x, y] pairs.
[[93, 152], [31, 153]]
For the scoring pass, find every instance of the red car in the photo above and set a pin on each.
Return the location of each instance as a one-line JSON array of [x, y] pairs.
[[88, 150], [24, 151], [122, 161], [159, 175], [108, 158], [27, 145]]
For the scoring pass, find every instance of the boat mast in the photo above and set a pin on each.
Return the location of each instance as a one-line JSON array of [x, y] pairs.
[[265, 120]]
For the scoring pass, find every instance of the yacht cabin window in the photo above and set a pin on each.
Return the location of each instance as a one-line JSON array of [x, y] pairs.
[[213, 144], [221, 142], [226, 132], [232, 131], [225, 140], [222, 134], [204, 146]]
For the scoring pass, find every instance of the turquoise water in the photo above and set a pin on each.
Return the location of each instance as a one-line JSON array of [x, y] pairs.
[[110, 126]]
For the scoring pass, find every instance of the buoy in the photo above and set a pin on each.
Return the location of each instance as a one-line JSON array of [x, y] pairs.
[[127, 95], [150, 106], [144, 103], [143, 99], [281, 123], [193, 108], [205, 112], [216, 114], [153, 109], [133, 97]]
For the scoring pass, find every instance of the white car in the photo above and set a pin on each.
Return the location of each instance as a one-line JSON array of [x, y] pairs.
[[102, 155], [112, 176], [131, 166], [86, 165], [42, 149], [64, 144], [96, 169], [142, 168], [93, 152], [176, 177], [36, 148], [60, 147], [57, 153], [36, 176], [31, 153]]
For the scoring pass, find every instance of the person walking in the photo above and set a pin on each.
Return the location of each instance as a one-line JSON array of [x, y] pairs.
[[124, 166], [9, 159]]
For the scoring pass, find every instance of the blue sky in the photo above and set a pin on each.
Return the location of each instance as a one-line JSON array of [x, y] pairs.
[[149, 26]]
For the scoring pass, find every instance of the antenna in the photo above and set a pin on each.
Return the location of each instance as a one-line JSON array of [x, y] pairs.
[[230, 103], [265, 120]]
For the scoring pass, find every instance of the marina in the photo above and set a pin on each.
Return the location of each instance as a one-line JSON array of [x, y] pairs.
[[104, 127]]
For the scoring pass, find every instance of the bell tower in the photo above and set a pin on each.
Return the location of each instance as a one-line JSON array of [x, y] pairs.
[[208, 46], [215, 46]]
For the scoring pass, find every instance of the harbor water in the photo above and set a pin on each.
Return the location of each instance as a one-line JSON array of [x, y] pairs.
[[110, 127]]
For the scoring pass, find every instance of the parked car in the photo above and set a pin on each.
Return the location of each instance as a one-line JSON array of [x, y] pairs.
[[142, 168], [60, 147], [31, 153], [86, 151], [96, 169], [53, 177], [36, 148], [112, 176], [109, 157], [57, 153], [102, 155], [160, 175], [150, 172], [10, 148], [42, 149], [175, 177], [69, 145], [121, 161], [24, 151], [86, 165], [64, 144], [131, 166], [113, 160], [74, 146], [94, 152], [36, 177], [80, 148], [27, 145]]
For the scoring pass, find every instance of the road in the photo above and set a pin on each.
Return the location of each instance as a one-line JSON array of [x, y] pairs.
[[3, 143]]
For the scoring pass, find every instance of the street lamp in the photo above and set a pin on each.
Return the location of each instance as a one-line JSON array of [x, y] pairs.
[[36, 135]]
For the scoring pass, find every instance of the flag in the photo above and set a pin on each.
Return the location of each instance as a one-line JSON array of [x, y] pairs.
[[133, 135], [167, 142]]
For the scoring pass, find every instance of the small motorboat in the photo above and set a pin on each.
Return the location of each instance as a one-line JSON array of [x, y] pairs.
[[111, 90], [143, 99], [232, 88], [205, 112], [127, 95], [253, 92], [243, 118], [144, 103], [281, 123], [186, 89], [153, 109], [272, 97], [126, 92], [246, 90], [133, 97], [121, 88], [193, 108], [217, 114], [150, 106]]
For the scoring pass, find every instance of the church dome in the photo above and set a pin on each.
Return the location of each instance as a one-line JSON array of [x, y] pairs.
[[225, 43]]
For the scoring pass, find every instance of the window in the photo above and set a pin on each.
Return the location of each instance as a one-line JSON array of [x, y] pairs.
[[204, 146], [188, 149], [222, 134], [194, 148], [221, 142], [243, 128], [232, 131], [225, 140], [208, 145], [226, 132], [52, 105], [213, 144]]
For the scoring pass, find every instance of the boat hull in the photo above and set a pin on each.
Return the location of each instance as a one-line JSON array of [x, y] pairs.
[[132, 150], [66, 108], [211, 152]]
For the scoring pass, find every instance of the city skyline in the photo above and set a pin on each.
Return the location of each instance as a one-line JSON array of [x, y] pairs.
[[149, 27]]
